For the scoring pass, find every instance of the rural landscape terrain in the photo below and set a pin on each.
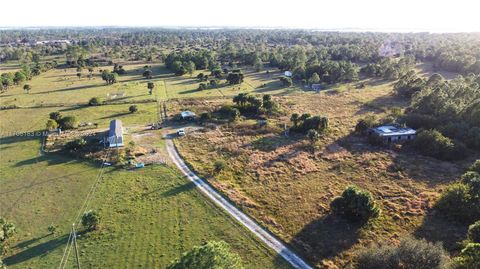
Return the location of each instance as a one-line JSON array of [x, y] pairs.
[[239, 148]]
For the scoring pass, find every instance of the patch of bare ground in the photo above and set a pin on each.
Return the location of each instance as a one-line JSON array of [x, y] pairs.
[[149, 146], [283, 185]]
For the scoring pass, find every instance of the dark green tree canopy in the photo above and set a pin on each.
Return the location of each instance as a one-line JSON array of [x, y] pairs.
[[212, 255]]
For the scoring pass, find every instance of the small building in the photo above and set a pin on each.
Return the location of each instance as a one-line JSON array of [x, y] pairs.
[[187, 115], [393, 134], [288, 74], [115, 134]]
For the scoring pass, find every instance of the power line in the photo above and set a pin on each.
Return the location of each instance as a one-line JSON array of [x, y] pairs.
[[72, 237]]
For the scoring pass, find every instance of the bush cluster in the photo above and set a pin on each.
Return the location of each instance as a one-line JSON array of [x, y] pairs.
[[355, 205], [305, 122], [57, 120], [409, 254], [461, 201], [433, 143]]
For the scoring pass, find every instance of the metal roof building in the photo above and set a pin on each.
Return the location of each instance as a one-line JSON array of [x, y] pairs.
[[115, 134], [391, 133]]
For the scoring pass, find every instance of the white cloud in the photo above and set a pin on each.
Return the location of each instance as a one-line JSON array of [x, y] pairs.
[[459, 15]]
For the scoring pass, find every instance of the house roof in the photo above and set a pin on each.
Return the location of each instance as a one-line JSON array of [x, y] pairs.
[[115, 128], [187, 114], [389, 130]]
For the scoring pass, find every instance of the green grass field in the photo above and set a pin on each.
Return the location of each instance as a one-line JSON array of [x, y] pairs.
[[149, 216]]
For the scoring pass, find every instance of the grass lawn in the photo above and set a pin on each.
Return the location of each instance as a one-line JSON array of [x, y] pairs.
[[149, 216]]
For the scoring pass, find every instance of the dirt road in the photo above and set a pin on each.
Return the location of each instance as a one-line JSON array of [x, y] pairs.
[[246, 221]]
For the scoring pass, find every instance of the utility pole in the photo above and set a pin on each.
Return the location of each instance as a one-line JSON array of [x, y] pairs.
[[75, 246]]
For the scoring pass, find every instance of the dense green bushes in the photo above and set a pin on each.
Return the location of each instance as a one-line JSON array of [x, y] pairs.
[[364, 124], [94, 101], [433, 143], [450, 106], [90, 220], [474, 232], [211, 255], [461, 201], [229, 112], [355, 205], [305, 122], [7, 230], [469, 258], [409, 254]]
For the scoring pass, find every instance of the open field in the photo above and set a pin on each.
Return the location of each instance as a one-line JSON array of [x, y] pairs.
[[149, 216], [278, 181], [63, 87]]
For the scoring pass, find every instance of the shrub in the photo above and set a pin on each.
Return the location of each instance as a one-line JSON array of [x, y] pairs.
[[90, 220], [56, 116], [475, 166], [205, 116], [472, 179], [457, 203], [7, 230], [51, 229], [418, 121], [474, 232], [211, 255], [364, 124], [51, 125], [219, 165], [306, 122], [433, 143], [95, 101], [202, 86], [229, 112], [469, 258], [355, 205], [133, 109], [76, 144], [286, 81], [2, 266], [68, 122], [409, 254]]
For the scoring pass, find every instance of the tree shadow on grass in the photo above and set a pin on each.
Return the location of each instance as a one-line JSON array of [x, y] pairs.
[[436, 228], [83, 87], [51, 159], [27, 243], [116, 115], [326, 237], [21, 137], [189, 91], [179, 189], [41, 249]]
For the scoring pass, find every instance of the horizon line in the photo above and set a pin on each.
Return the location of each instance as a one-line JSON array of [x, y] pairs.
[[226, 27]]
